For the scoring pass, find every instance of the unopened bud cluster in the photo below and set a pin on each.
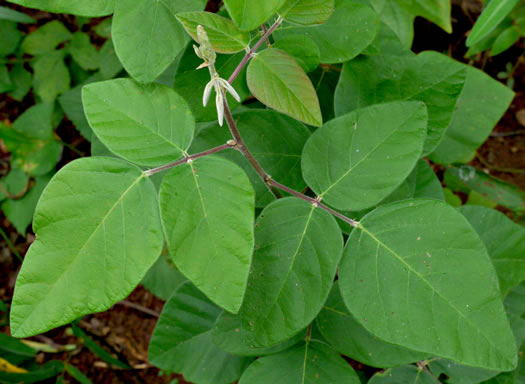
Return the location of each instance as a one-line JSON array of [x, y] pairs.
[[206, 52]]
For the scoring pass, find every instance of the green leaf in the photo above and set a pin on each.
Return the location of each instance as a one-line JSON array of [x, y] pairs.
[[297, 250], [398, 18], [274, 139], [224, 36], [6, 84], [350, 338], [83, 52], [403, 375], [71, 104], [208, 212], [110, 65], [14, 351], [15, 183], [30, 140], [505, 40], [350, 29], [10, 37], [465, 178], [430, 77], [51, 76], [305, 52], [437, 11], [355, 161], [145, 124], [182, 342], [86, 234], [191, 83], [458, 373], [505, 242], [311, 362], [92, 8], [162, 279], [250, 14], [147, 35], [278, 81], [421, 183], [20, 211], [481, 104], [22, 80], [489, 19], [46, 38], [39, 375], [408, 261], [307, 12], [227, 335], [12, 15]]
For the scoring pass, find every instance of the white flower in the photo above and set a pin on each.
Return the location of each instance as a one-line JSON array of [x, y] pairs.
[[220, 85]]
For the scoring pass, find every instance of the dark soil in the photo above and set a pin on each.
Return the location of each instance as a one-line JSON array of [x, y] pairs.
[[124, 330]]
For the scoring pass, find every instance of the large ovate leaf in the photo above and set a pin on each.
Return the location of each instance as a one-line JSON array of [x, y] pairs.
[[98, 231], [182, 342], [208, 212], [355, 161], [350, 338], [416, 274], [430, 77], [224, 36], [505, 242], [250, 14], [145, 124], [91, 8], [147, 35], [276, 79], [297, 250], [489, 19], [482, 102], [307, 12], [403, 375], [350, 29], [310, 362], [275, 140], [437, 11]]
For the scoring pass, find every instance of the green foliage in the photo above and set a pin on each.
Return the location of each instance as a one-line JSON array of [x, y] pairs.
[[278, 81], [210, 202], [241, 227], [347, 152]]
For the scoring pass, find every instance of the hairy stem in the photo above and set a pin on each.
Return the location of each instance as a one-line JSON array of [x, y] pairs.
[[254, 49], [187, 159]]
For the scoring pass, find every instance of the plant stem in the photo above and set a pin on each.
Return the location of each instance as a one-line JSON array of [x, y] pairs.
[[313, 201], [186, 159], [249, 54], [266, 178]]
